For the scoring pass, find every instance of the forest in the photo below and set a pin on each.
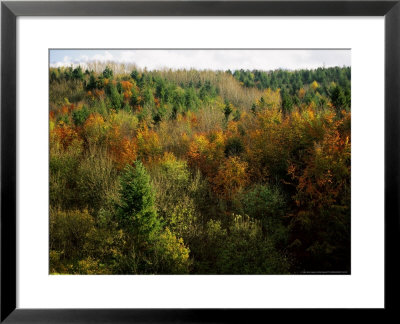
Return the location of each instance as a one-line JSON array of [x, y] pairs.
[[199, 171]]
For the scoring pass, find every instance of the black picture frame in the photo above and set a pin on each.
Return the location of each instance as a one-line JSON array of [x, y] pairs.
[[9, 13]]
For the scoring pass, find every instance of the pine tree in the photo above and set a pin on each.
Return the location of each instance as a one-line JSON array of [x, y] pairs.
[[115, 97], [136, 211], [287, 102], [77, 73], [227, 110], [338, 98], [107, 73]]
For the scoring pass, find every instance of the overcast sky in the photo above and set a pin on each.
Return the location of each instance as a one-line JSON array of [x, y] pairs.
[[208, 59]]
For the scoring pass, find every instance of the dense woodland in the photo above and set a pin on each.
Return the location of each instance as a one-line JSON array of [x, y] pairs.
[[199, 172]]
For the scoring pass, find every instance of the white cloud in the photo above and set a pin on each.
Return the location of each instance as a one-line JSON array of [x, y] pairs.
[[214, 59], [107, 56]]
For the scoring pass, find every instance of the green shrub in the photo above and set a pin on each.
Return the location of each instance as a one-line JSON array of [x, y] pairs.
[[238, 249], [68, 230], [266, 204], [79, 116]]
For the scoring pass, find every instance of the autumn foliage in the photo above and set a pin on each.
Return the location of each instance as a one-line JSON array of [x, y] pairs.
[[199, 171]]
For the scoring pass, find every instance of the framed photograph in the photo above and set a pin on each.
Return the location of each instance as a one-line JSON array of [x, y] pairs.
[[197, 161]]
